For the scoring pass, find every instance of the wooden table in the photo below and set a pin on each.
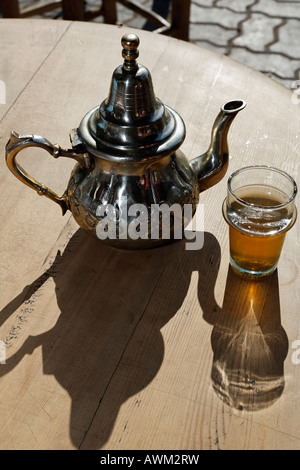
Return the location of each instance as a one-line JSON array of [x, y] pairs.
[[161, 349]]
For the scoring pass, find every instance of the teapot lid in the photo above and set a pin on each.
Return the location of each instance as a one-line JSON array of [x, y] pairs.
[[131, 124]]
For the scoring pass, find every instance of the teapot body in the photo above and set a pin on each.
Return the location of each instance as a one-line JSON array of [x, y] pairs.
[[124, 204], [132, 186]]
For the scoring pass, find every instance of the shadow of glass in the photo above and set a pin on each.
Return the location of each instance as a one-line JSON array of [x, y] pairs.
[[249, 343]]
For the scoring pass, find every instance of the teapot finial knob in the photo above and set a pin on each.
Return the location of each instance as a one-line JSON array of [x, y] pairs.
[[130, 43]]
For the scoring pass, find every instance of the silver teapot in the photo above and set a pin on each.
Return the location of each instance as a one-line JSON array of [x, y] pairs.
[[129, 164]]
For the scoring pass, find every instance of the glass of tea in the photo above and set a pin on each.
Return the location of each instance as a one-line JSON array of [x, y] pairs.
[[259, 209]]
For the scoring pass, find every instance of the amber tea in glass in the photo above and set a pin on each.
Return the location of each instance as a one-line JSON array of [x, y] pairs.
[[259, 209]]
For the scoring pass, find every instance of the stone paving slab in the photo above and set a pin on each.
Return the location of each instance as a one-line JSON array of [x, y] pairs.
[[277, 8], [288, 39], [257, 32], [213, 34], [221, 16]]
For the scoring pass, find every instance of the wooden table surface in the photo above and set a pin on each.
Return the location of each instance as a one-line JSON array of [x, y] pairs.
[[161, 349]]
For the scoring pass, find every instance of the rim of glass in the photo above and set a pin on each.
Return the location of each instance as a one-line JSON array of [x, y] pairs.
[[263, 167]]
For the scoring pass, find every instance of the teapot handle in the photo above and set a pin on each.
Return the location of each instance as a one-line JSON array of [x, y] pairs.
[[18, 142]]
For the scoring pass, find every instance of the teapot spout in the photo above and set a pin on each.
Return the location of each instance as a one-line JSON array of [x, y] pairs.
[[212, 165]]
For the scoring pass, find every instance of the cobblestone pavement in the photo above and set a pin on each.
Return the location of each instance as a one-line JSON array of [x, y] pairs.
[[264, 34]]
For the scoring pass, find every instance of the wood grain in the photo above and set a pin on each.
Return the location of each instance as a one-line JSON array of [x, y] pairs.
[[163, 349]]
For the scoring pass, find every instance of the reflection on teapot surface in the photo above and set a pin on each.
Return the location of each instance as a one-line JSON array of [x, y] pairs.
[[128, 149], [249, 344]]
